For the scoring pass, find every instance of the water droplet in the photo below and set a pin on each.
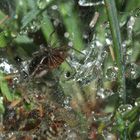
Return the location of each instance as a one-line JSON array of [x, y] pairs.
[[112, 73], [6, 67], [132, 71], [121, 92], [127, 123], [136, 12], [66, 103], [104, 55], [138, 85], [71, 135], [104, 118], [108, 41], [42, 4], [109, 136], [137, 134], [14, 34], [70, 44], [104, 93], [20, 2], [15, 16], [137, 102], [130, 23], [100, 93], [108, 93], [1, 100], [54, 7], [89, 3], [125, 108], [6, 34], [56, 22], [66, 35], [128, 55], [85, 35]]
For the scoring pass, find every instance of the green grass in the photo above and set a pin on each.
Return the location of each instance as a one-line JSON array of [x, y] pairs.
[[30, 24]]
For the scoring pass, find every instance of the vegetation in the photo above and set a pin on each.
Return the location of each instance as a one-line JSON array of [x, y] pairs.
[[69, 69]]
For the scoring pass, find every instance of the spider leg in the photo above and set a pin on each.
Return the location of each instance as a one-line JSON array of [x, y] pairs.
[[40, 71], [78, 51], [50, 38]]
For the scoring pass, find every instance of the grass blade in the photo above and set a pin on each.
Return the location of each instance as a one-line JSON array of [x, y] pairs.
[[117, 43]]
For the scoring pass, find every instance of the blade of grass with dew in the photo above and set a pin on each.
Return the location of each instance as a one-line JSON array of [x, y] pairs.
[[4, 88], [20, 10], [71, 22], [33, 14], [132, 114], [47, 29], [131, 127], [117, 43], [120, 126], [29, 17]]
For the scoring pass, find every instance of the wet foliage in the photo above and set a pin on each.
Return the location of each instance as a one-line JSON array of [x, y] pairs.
[[69, 70]]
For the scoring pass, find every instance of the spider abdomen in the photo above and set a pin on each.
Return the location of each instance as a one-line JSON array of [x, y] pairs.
[[50, 59]]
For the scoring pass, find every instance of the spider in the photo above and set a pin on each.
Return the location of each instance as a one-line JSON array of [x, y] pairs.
[[46, 60]]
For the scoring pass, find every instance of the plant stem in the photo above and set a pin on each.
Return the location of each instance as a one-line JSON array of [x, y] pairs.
[[117, 43]]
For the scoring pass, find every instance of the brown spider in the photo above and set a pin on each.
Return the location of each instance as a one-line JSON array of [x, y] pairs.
[[46, 60]]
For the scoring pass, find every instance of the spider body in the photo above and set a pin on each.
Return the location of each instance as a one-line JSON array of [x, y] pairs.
[[46, 60]]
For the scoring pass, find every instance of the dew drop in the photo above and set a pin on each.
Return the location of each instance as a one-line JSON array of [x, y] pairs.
[[56, 22], [6, 67], [132, 71], [70, 44], [136, 12], [14, 34], [130, 25], [71, 135], [15, 16], [137, 102], [89, 3], [110, 136], [128, 55], [127, 123], [6, 33], [66, 35], [20, 2], [41, 4], [137, 134], [112, 73], [138, 85], [100, 93], [54, 7], [108, 41], [125, 108], [104, 93]]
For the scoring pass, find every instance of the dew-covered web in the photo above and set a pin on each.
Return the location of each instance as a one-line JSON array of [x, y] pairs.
[[59, 75]]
